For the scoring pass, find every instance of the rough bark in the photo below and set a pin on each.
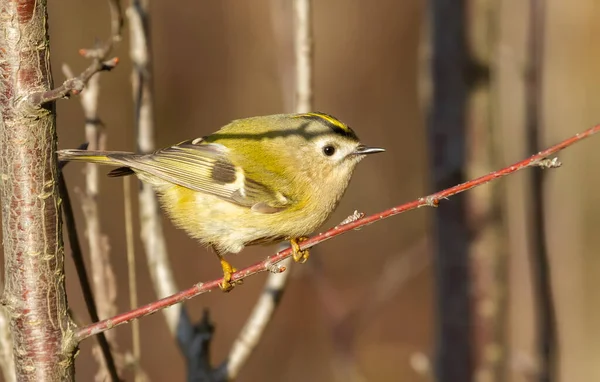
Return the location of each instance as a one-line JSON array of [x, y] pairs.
[[34, 293]]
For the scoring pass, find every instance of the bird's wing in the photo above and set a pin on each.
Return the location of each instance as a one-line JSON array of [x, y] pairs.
[[204, 167]]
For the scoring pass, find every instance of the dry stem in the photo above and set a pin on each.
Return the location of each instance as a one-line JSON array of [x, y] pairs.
[[546, 327], [105, 288], [133, 296], [152, 234], [431, 201]]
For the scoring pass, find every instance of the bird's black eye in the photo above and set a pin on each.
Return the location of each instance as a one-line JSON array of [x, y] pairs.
[[329, 150]]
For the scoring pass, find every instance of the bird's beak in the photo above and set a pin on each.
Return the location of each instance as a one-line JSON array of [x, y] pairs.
[[364, 150]]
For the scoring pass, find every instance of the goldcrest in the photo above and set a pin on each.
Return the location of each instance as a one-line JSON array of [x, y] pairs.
[[257, 180]]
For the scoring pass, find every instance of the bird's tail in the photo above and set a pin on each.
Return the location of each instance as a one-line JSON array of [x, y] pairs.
[[100, 157], [75, 155]]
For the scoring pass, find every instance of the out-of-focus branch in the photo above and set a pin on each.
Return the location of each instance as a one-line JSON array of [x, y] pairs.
[[488, 247], [86, 288], [103, 279], [100, 62], [447, 149], [257, 322], [304, 55], [271, 263], [268, 301], [133, 296], [546, 335], [152, 234]]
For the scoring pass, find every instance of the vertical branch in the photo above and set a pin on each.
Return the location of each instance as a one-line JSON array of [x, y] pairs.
[[270, 297], [488, 248], [545, 314], [447, 161], [133, 299], [256, 323], [152, 234], [34, 295], [303, 43], [103, 279], [84, 282]]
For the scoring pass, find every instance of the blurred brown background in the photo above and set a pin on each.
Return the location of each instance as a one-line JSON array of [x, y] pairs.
[[217, 61]]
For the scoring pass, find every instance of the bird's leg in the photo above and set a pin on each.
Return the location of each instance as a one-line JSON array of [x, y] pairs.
[[300, 256], [228, 270]]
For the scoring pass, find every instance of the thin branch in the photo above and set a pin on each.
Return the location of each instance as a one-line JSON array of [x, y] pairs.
[[276, 283], [152, 233], [84, 281], [133, 296], [304, 56], [100, 62], [546, 335], [271, 263], [105, 287]]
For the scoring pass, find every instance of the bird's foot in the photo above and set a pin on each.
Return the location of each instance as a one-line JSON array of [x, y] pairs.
[[299, 255], [227, 285]]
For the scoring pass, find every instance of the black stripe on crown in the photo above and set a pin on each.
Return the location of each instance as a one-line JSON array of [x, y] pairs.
[[333, 123]]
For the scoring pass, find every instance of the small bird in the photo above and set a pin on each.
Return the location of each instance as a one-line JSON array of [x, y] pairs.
[[258, 180]]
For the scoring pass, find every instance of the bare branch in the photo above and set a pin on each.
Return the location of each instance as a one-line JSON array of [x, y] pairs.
[[133, 296], [152, 234], [100, 62], [303, 45], [258, 320], [268, 301], [267, 264], [446, 135], [103, 274], [488, 253], [546, 327], [86, 288]]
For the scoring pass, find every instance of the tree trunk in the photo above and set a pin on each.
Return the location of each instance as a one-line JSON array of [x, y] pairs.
[[34, 293]]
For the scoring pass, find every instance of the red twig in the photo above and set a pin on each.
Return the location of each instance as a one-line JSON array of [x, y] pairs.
[[537, 160]]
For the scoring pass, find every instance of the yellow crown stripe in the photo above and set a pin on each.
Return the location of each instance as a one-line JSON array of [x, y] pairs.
[[327, 118]]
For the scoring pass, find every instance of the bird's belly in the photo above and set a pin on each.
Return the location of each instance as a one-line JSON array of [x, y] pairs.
[[228, 226]]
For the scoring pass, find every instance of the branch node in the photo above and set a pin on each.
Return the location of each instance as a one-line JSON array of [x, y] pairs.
[[274, 268], [110, 64], [430, 201], [352, 218], [547, 163]]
